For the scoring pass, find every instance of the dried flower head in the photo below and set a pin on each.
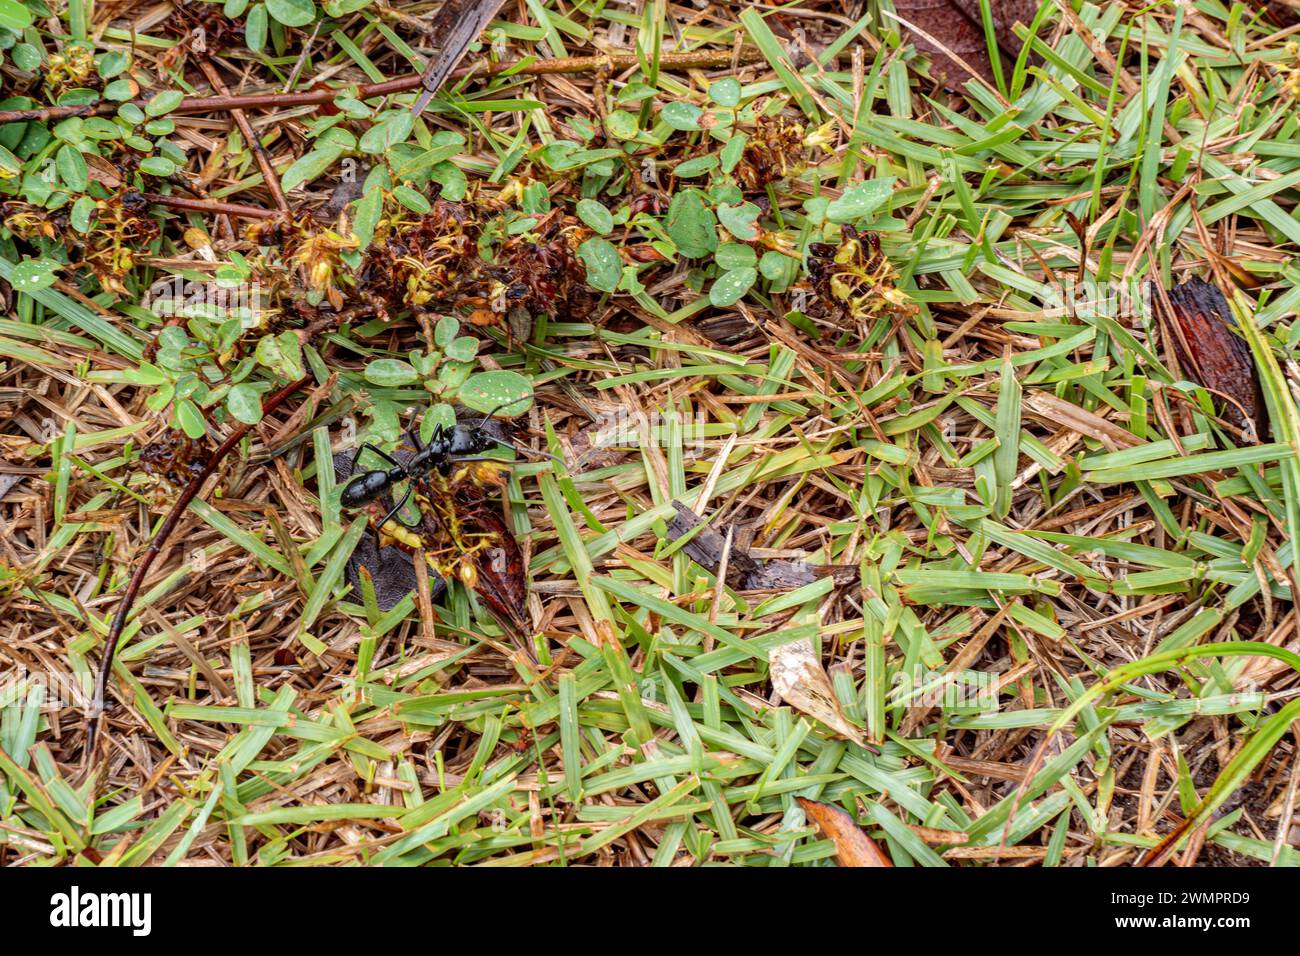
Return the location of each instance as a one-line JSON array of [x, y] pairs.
[[74, 66], [855, 280], [775, 150], [430, 265], [174, 456]]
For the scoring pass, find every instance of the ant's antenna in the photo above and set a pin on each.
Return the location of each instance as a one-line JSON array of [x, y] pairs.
[[509, 444], [492, 414]]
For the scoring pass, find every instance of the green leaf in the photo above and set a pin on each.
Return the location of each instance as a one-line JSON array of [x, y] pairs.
[[292, 13], [725, 92], [732, 286], [191, 419], [14, 16], [501, 392], [119, 90], [860, 200], [282, 354], [111, 64], [691, 224], [463, 348], [369, 208], [255, 28], [412, 199], [452, 180], [622, 125], [82, 212], [391, 373], [157, 166], [245, 403], [72, 168], [391, 128], [682, 116], [164, 102], [445, 332], [735, 255], [741, 221], [308, 166], [595, 215], [604, 267], [31, 275], [696, 167], [733, 152], [26, 57]]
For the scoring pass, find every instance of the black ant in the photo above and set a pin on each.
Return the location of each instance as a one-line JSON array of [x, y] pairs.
[[447, 446]]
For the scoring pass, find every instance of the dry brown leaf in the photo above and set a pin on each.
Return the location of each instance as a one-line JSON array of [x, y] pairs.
[[957, 26], [799, 680], [852, 846]]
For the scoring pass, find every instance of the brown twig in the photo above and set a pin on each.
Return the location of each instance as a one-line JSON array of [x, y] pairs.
[[705, 59], [259, 153], [155, 548], [211, 206]]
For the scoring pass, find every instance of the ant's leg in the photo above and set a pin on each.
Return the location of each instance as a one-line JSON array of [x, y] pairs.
[[397, 507], [369, 447]]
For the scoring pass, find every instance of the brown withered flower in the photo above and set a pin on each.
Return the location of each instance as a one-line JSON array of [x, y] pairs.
[[71, 67], [855, 280], [431, 265], [775, 150], [174, 457], [120, 235], [202, 26], [539, 276]]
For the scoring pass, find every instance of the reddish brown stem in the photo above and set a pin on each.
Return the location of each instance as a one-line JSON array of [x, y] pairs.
[[211, 206], [241, 120], [156, 546], [577, 64]]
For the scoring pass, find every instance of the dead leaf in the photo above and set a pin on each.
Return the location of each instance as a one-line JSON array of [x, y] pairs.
[[957, 26], [502, 580], [852, 846], [1217, 357], [799, 679]]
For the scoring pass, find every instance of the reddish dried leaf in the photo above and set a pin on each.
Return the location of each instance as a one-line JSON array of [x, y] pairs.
[[1214, 354], [852, 846], [502, 581]]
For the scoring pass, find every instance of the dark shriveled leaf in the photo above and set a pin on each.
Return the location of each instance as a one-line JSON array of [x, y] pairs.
[[1208, 345]]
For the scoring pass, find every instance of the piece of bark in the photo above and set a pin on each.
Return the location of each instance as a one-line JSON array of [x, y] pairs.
[[744, 572], [852, 846], [1209, 346], [706, 546]]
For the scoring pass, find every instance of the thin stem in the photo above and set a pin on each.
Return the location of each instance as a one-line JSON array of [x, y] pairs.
[[255, 144], [155, 548], [211, 206], [707, 59]]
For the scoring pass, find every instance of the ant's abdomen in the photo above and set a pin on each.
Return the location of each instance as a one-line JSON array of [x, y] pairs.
[[364, 489]]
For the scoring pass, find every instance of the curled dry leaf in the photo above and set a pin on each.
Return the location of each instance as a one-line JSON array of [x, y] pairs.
[[1207, 343], [799, 679], [852, 846]]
